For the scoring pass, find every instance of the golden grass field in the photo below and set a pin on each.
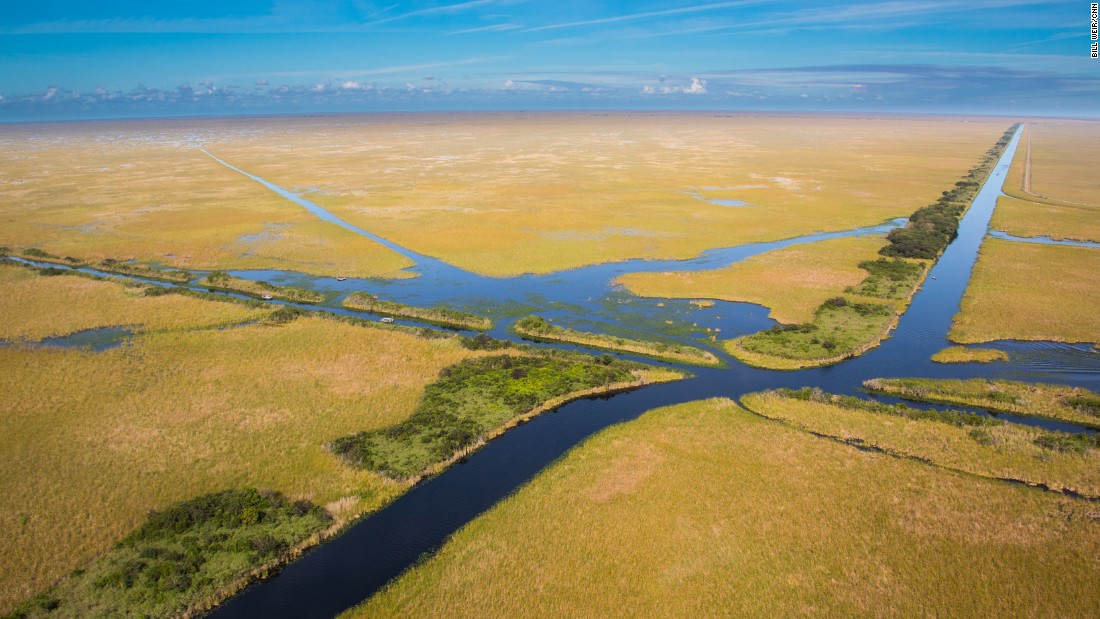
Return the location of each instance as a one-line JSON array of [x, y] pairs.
[[703, 509], [1052, 186], [90, 442], [792, 282], [1063, 153], [33, 307], [1011, 454], [1028, 291], [1029, 218], [141, 189], [503, 194]]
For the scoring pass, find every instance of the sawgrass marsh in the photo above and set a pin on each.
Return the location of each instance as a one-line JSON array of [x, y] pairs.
[[705, 509]]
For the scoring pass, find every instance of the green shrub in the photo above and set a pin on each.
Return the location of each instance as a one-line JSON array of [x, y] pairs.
[[468, 400], [182, 555]]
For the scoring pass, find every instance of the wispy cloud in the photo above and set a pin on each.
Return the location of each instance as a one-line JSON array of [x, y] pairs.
[[493, 28], [436, 10], [713, 6], [388, 70]]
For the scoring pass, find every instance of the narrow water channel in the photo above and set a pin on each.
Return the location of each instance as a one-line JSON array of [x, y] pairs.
[[349, 569]]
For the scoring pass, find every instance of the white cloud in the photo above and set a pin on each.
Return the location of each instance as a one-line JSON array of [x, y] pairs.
[[509, 85], [50, 92], [352, 85], [648, 90], [698, 87]]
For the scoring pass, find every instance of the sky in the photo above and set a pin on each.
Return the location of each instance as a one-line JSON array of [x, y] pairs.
[[123, 58]]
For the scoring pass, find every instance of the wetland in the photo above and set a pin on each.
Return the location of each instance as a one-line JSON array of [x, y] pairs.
[[369, 462]]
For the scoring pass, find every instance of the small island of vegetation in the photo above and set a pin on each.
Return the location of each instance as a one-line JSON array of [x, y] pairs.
[[220, 280], [538, 329], [144, 271], [441, 316], [964, 354]]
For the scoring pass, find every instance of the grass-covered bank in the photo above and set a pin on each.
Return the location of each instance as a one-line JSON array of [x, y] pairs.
[[220, 280], [1072, 404], [843, 327], [840, 330], [186, 557], [955, 439], [791, 282], [472, 400], [932, 227], [37, 303], [537, 329], [136, 269], [442, 316], [703, 509]]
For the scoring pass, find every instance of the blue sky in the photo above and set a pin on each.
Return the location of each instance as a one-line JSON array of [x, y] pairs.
[[118, 58]]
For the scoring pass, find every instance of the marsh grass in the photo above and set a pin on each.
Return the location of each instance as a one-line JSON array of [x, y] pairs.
[[843, 328], [141, 190], [965, 354], [538, 329], [1011, 289], [1062, 152], [792, 282], [840, 329], [931, 228], [1029, 218], [90, 442], [958, 440], [703, 509], [1072, 404], [34, 306], [176, 276], [220, 280], [183, 555], [471, 399], [558, 191], [443, 316]]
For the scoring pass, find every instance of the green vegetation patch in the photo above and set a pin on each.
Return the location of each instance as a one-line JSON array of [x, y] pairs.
[[471, 399], [183, 556], [178, 276], [888, 279], [840, 328], [40, 255], [537, 328], [220, 280], [931, 228], [963, 354], [436, 315], [1072, 404]]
